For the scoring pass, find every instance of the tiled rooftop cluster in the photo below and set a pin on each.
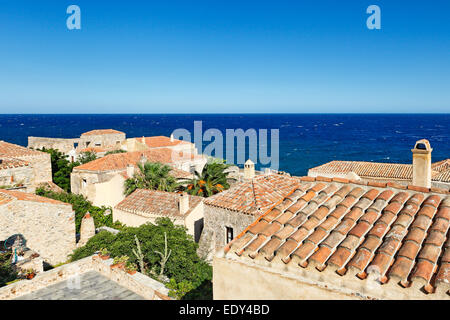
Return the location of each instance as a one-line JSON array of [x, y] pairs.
[[153, 202], [440, 170], [162, 141], [9, 163], [119, 161], [9, 150], [255, 196], [397, 234], [9, 195]]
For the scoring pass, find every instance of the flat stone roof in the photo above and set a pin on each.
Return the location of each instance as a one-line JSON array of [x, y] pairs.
[[92, 286]]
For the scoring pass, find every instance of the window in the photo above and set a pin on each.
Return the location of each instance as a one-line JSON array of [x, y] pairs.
[[84, 183], [98, 144], [229, 234], [88, 143]]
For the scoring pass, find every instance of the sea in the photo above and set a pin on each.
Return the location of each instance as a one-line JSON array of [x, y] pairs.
[[305, 140]]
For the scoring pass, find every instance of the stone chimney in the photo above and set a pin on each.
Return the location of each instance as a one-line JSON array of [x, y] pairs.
[[87, 229], [183, 203], [249, 169], [130, 170], [143, 140], [143, 159], [171, 137], [422, 164]]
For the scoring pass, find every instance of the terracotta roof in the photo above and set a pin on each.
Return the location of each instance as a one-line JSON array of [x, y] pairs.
[[25, 196], [101, 132], [10, 150], [398, 234], [255, 196], [443, 176], [9, 163], [377, 169], [119, 161], [176, 173], [161, 141], [145, 202]]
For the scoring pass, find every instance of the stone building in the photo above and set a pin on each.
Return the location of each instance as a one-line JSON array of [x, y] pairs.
[[229, 212], [143, 206], [98, 141], [102, 181], [91, 278], [435, 174], [47, 225], [23, 168], [342, 239]]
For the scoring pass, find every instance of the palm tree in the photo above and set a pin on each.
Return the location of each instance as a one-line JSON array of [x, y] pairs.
[[212, 180], [151, 175]]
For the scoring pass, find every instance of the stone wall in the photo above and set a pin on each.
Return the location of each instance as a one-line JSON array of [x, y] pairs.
[[15, 176], [42, 167], [62, 145], [102, 140], [49, 229], [138, 283], [216, 220]]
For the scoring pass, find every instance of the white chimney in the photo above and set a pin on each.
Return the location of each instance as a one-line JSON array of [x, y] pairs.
[[130, 170], [249, 170], [143, 139], [422, 164], [171, 137], [183, 203]]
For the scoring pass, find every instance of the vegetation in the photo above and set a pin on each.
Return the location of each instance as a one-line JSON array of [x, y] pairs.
[[152, 175], [7, 273], [61, 168], [86, 157], [213, 179], [149, 246], [115, 151], [81, 206]]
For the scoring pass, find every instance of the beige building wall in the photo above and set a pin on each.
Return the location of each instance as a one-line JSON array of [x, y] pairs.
[[49, 229], [109, 193], [195, 215], [136, 220], [233, 280]]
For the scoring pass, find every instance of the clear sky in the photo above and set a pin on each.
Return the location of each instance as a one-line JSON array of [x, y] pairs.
[[232, 56]]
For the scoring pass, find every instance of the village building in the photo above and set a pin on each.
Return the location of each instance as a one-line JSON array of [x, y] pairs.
[[385, 172], [47, 225], [91, 278], [143, 206], [22, 168], [228, 213], [102, 180], [334, 238], [99, 141]]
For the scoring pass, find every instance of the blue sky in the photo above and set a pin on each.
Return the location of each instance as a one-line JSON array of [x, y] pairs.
[[232, 56]]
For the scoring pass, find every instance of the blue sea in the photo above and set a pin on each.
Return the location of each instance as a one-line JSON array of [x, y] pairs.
[[305, 140]]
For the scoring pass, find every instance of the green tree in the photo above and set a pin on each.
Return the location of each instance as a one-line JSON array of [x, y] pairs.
[[152, 175], [7, 272], [183, 265], [213, 179], [86, 157], [115, 151]]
